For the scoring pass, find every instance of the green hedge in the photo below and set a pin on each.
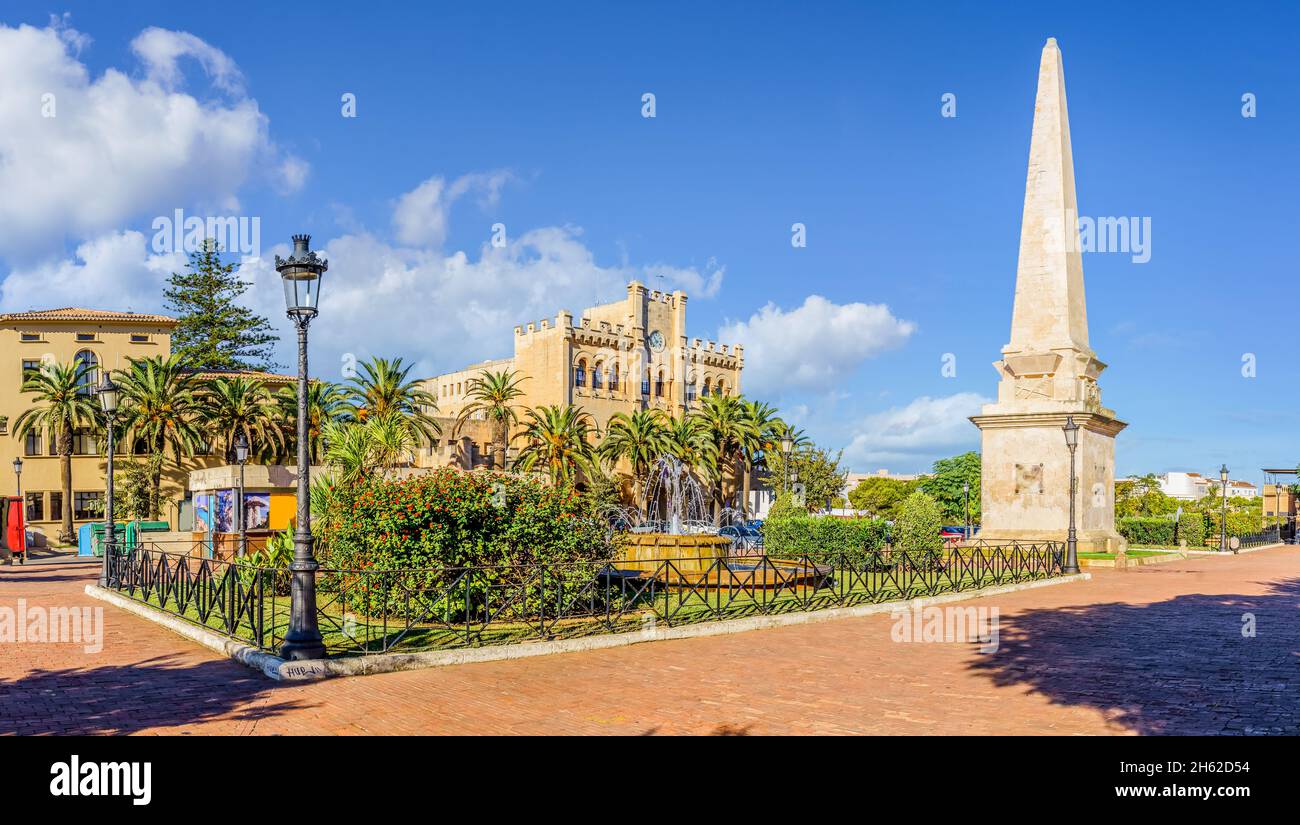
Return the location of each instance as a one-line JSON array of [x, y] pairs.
[[823, 538], [1147, 530], [1191, 528]]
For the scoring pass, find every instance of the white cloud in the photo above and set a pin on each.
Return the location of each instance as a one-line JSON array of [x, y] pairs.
[[111, 271], [117, 150], [925, 427], [813, 346], [420, 216], [160, 50], [441, 310]]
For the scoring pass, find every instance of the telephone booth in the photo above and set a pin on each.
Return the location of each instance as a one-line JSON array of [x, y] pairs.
[[13, 536]]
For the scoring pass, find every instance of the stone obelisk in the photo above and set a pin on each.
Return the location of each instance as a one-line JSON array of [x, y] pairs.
[[1048, 371]]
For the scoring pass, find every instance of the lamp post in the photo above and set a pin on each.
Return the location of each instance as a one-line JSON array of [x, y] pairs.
[[787, 445], [241, 455], [965, 488], [108, 397], [22, 512], [1223, 519], [1071, 565], [301, 275]]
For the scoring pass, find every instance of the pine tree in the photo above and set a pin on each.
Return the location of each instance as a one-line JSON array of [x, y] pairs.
[[215, 331]]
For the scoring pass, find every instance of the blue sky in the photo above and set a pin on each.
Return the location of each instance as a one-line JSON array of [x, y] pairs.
[[766, 115]]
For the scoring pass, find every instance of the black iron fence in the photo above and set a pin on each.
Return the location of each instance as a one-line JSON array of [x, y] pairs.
[[366, 611], [1269, 535]]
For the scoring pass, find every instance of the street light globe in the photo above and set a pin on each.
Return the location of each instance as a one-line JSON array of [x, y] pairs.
[[109, 395], [18, 466], [1071, 430], [1223, 474], [241, 448], [301, 274], [787, 444]]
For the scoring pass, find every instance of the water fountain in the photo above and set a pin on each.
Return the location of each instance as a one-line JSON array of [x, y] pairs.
[[677, 525]]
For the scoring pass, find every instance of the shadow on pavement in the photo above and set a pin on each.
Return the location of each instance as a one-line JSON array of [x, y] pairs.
[[1181, 666], [153, 694]]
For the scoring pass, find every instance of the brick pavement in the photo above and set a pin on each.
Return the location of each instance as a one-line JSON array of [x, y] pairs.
[[1157, 649]]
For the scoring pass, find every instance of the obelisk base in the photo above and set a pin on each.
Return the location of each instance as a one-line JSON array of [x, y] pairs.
[[1025, 478]]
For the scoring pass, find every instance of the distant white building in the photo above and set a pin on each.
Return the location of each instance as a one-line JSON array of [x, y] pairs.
[[1194, 486]]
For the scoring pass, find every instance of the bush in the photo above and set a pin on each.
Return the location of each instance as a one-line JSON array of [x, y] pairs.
[[448, 518], [917, 530], [823, 539], [434, 524], [784, 507], [1191, 528], [1151, 530]]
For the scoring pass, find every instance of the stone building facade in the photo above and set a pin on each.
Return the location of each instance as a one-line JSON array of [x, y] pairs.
[[632, 354]]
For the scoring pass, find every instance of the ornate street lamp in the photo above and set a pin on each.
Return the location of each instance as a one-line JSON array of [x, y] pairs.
[[301, 274], [22, 511], [241, 455], [965, 488], [1223, 520], [109, 395], [1071, 565]]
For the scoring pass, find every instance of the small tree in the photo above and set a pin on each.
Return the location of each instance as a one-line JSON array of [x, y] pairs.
[[945, 486], [135, 486], [214, 332], [880, 496], [784, 507], [917, 530]]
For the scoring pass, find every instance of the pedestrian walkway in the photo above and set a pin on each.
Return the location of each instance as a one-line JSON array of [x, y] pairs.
[[1157, 649]]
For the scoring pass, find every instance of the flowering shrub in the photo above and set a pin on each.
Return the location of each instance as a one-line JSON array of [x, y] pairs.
[[452, 519], [435, 525]]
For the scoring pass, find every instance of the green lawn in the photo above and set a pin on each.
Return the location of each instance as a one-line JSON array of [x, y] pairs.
[[1133, 554]]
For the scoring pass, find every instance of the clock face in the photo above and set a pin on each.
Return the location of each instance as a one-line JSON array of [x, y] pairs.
[[656, 340]]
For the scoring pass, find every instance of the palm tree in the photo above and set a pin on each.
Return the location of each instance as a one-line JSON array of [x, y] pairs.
[[241, 405], [348, 449], [161, 406], [490, 394], [730, 431], [325, 402], [640, 437], [382, 387], [65, 406], [767, 428], [689, 441], [556, 442]]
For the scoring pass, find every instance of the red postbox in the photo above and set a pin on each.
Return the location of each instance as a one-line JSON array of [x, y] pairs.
[[12, 528]]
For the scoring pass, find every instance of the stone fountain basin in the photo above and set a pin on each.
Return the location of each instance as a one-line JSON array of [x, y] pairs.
[[694, 562]]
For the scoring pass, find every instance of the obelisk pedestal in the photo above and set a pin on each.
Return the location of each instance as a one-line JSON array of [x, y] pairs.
[[1048, 371]]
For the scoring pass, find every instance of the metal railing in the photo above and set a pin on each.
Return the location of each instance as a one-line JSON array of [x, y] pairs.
[[367, 611], [1269, 535]]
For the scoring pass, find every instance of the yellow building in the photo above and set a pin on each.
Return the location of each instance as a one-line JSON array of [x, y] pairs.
[[92, 337], [629, 355], [101, 340]]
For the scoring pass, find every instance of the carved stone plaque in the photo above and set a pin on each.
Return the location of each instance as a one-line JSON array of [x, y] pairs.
[[1029, 479]]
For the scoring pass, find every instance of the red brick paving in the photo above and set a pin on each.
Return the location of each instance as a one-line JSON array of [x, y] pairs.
[[1157, 649]]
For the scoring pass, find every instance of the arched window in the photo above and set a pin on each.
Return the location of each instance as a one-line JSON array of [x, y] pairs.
[[613, 376], [659, 385], [87, 371], [690, 392], [708, 386], [721, 390], [597, 376], [580, 374], [645, 385]]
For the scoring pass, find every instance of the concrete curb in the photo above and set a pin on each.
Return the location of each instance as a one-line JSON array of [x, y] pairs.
[[279, 669]]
